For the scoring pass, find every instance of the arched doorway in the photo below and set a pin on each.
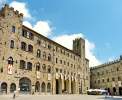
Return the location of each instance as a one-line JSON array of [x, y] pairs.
[[48, 87], [43, 87], [4, 87], [58, 86], [25, 85], [120, 90], [73, 87], [66, 86], [12, 87], [114, 91], [37, 87]]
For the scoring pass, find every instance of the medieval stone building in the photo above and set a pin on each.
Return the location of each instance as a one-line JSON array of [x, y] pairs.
[[108, 76], [32, 63]]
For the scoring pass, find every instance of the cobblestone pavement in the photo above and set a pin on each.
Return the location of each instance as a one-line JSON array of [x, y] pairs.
[[59, 97]]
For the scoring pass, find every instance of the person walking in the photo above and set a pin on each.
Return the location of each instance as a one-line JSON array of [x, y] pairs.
[[14, 94]]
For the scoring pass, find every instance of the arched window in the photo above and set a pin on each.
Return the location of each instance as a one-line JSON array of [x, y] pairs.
[[49, 69], [4, 87], [13, 29], [38, 53], [29, 66], [12, 87], [48, 87], [30, 48], [37, 86], [24, 33], [49, 57], [44, 55], [44, 68], [23, 46], [10, 60], [12, 44], [22, 64], [43, 87], [38, 66], [31, 36]]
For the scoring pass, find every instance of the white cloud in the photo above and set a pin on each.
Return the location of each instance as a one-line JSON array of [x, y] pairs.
[[22, 8], [28, 24], [42, 27], [67, 41]]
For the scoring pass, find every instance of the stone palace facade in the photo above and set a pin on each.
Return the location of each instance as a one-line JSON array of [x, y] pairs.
[[32, 63], [108, 76]]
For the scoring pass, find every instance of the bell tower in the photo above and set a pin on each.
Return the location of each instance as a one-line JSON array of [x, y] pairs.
[[79, 47]]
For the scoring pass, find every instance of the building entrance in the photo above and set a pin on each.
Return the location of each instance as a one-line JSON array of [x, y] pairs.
[[25, 85]]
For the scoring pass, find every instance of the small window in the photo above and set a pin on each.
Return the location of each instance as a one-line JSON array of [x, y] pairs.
[[24, 33], [30, 48], [49, 46], [44, 55], [49, 69], [23, 46], [22, 64], [1, 70], [56, 60], [67, 63], [60, 61], [39, 42], [113, 79], [44, 67], [10, 60], [12, 44], [49, 57], [56, 70], [29, 66], [108, 80], [13, 29], [38, 53], [119, 78], [38, 67], [31, 36]]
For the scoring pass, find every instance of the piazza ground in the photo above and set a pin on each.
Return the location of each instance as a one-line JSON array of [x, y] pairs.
[[59, 97]]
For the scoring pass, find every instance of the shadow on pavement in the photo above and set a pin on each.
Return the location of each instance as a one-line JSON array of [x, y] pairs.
[[110, 98]]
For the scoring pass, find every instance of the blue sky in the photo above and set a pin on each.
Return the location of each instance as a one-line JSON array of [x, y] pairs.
[[98, 21]]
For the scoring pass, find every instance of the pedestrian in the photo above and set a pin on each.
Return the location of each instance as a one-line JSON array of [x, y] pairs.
[[14, 94]]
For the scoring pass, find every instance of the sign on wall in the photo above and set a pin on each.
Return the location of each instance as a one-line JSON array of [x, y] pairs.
[[49, 77], [10, 69], [37, 74]]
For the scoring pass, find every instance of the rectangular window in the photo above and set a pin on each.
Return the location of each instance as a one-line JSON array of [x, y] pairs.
[[13, 29], [12, 44], [24, 33], [56, 60]]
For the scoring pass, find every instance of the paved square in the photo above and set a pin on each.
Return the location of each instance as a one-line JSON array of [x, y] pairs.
[[58, 97]]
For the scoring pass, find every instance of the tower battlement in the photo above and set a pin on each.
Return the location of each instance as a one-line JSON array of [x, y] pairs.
[[7, 10]]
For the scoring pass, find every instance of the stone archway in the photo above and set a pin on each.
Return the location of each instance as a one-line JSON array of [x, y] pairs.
[[48, 87], [73, 87], [58, 86], [66, 86], [43, 87], [120, 91], [4, 87], [25, 85], [37, 87], [12, 87]]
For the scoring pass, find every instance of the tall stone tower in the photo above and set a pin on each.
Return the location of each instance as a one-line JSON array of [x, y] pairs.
[[79, 47]]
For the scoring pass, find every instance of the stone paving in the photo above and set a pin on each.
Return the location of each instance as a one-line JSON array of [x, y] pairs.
[[59, 97]]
